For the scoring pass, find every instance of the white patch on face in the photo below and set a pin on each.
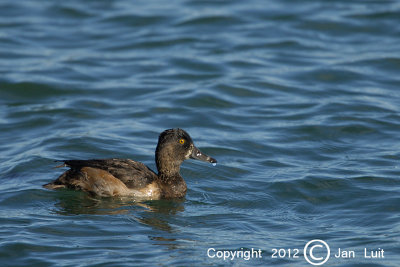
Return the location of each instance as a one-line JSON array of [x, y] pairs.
[[187, 156]]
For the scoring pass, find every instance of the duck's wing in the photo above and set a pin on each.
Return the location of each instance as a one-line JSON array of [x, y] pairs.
[[132, 173]]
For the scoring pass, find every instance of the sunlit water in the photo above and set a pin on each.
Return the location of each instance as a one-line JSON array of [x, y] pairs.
[[298, 101]]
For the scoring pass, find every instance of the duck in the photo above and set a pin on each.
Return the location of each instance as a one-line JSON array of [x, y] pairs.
[[125, 177]]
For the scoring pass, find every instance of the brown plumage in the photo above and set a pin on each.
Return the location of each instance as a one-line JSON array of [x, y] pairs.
[[125, 177]]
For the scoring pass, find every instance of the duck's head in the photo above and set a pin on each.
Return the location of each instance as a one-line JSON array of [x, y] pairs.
[[174, 146]]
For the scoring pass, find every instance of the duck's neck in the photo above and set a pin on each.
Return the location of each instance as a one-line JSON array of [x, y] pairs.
[[170, 178], [168, 169], [172, 185], [168, 173]]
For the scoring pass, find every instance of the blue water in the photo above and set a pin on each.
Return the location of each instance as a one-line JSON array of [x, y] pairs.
[[299, 102]]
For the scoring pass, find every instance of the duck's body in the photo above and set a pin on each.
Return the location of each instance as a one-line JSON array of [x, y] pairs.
[[125, 177]]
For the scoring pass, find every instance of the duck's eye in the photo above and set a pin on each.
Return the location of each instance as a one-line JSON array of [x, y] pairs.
[[181, 141]]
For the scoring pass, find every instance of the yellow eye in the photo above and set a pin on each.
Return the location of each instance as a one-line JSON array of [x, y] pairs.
[[181, 141]]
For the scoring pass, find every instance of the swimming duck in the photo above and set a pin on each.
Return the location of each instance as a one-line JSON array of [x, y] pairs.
[[125, 177]]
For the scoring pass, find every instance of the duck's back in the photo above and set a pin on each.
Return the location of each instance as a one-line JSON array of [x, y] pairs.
[[89, 174], [132, 173]]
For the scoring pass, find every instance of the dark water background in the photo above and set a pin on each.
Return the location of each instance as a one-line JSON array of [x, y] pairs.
[[298, 100]]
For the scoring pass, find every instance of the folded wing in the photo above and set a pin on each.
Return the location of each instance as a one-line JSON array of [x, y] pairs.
[[133, 174]]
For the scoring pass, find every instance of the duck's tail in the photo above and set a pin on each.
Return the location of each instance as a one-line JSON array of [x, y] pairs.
[[54, 185]]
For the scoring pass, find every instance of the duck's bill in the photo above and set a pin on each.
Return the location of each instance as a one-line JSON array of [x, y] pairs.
[[197, 154]]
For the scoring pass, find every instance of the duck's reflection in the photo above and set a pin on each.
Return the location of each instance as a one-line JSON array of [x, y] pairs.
[[151, 213]]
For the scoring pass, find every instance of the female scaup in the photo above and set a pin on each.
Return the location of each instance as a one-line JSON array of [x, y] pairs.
[[125, 177]]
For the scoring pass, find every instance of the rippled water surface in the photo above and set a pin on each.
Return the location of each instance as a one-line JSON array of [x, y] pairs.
[[298, 100]]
